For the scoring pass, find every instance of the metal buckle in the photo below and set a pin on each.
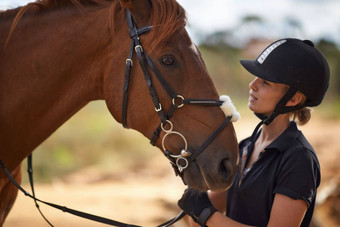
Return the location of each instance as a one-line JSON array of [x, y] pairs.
[[159, 108], [140, 47], [129, 60]]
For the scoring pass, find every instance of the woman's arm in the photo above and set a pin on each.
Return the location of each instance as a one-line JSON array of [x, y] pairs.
[[287, 211], [219, 200], [220, 220]]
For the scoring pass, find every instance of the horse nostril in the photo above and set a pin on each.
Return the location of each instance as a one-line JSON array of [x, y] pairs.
[[226, 169]]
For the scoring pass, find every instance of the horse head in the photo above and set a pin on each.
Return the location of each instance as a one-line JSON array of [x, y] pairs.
[[164, 75]]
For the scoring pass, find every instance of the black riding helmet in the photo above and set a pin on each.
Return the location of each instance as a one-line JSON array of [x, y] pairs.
[[295, 63]]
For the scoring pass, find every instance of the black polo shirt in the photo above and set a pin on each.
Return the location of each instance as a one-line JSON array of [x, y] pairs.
[[288, 166]]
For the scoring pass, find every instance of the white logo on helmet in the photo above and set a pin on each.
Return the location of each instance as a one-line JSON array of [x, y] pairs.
[[272, 47]]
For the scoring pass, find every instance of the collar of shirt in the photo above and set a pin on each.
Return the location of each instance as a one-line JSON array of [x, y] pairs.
[[282, 142]]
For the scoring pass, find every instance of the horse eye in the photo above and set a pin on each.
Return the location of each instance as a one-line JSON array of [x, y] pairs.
[[168, 60]]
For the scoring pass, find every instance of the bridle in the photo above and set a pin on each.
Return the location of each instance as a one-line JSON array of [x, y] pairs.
[[180, 162], [187, 155]]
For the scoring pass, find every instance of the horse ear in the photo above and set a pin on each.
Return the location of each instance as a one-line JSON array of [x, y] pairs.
[[140, 9]]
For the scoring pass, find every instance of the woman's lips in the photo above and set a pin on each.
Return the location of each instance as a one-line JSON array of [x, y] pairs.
[[252, 97]]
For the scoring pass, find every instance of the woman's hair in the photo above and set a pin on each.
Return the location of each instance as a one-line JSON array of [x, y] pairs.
[[302, 116]]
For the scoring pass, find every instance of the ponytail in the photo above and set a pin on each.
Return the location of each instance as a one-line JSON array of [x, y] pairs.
[[302, 116]]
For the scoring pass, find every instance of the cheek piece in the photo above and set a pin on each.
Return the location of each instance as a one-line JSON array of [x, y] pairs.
[[280, 108]]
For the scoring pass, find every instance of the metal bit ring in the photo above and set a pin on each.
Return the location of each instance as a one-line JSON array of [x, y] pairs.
[[167, 130], [178, 97], [177, 133]]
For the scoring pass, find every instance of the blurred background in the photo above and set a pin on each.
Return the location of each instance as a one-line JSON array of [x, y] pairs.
[[93, 164]]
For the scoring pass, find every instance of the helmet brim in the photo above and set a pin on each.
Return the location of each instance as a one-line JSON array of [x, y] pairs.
[[252, 67]]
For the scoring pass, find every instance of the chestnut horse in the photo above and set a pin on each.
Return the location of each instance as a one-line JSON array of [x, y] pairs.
[[57, 56]]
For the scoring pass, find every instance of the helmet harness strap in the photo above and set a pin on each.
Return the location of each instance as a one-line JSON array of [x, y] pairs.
[[280, 108]]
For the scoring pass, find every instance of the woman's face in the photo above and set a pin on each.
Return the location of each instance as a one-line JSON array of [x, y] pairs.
[[264, 95]]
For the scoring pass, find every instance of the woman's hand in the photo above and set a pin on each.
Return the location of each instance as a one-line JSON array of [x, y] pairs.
[[197, 205]]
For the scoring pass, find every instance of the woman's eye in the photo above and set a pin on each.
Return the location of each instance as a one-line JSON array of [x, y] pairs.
[[168, 60]]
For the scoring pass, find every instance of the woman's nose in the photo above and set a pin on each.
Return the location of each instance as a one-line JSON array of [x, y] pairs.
[[252, 84]]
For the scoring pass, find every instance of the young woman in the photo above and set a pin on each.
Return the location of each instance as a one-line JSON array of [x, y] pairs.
[[279, 171]]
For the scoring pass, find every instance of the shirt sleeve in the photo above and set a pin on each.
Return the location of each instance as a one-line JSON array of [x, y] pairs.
[[299, 175]]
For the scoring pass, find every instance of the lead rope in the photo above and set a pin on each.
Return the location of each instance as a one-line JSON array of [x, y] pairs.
[[69, 210]]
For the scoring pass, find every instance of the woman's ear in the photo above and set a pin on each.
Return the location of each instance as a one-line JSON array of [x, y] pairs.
[[296, 99]]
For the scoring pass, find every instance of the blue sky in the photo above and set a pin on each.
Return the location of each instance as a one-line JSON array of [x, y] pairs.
[[319, 18]]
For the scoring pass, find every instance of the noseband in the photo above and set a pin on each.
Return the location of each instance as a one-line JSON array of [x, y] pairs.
[[182, 160]]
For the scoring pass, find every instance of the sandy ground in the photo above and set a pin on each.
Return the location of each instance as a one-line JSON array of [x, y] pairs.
[[149, 196], [146, 198]]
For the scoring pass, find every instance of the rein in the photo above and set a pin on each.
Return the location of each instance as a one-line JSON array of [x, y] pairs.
[[179, 162], [69, 210]]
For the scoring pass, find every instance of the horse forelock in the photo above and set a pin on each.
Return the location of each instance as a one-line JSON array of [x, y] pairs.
[[167, 18]]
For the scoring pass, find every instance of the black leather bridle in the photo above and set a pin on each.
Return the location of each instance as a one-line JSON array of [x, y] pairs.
[[179, 162], [182, 160]]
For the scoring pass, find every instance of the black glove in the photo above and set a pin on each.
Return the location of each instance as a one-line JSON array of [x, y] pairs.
[[197, 205]]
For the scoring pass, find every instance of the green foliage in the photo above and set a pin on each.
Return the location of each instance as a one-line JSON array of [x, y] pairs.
[[332, 53], [223, 64]]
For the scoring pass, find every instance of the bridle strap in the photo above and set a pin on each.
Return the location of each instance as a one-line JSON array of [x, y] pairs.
[[152, 91], [126, 84], [136, 46], [210, 139], [203, 102], [165, 85]]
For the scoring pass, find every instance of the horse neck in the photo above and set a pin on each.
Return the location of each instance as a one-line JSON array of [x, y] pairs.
[[53, 66]]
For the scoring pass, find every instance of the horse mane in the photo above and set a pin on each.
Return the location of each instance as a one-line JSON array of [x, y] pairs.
[[40, 6], [168, 17]]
